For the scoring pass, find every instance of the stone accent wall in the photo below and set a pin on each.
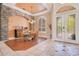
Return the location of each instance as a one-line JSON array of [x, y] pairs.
[[4, 14], [0, 21]]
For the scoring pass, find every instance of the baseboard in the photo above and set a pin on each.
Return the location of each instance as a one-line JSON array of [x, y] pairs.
[[66, 41]]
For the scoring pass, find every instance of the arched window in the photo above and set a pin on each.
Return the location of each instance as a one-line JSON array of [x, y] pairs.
[[42, 26]]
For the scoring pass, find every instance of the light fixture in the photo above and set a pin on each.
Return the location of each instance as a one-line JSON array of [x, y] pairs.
[[31, 21]]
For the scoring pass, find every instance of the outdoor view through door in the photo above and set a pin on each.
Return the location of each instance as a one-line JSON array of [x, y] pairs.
[[66, 26], [71, 27], [65, 23]]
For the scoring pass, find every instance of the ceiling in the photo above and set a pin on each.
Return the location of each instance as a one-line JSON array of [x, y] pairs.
[[32, 7]]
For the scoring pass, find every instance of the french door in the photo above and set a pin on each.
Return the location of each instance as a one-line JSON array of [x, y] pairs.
[[65, 26], [60, 28]]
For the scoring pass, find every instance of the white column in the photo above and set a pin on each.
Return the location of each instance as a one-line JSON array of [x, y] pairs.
[[54, 22]]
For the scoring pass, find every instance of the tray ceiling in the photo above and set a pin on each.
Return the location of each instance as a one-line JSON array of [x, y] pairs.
[[32, 7]]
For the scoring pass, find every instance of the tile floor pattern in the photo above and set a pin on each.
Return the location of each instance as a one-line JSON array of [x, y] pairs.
[[46, 48]]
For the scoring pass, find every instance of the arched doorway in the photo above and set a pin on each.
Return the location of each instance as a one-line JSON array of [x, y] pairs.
[[65, 23]]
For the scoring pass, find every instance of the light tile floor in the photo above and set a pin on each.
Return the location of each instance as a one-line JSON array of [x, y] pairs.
[[46, 48]]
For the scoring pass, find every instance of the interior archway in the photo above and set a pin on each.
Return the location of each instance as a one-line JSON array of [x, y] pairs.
[[13, 22]]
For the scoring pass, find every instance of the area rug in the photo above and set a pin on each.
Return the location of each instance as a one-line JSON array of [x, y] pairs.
[[19, 44]]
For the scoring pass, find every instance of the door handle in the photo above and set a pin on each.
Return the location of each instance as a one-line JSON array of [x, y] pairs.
[[63, 27]]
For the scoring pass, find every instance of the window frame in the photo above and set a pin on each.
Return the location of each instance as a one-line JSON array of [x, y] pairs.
[[42, 24]]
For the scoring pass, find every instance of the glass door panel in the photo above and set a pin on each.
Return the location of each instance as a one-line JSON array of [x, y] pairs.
[[71, 27], [60, 27]]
